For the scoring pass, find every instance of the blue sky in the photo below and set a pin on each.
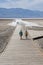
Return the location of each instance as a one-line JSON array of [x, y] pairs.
[[26, 4]]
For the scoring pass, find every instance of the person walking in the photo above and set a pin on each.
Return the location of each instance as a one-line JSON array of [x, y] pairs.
[[26, 34], [21, 34]]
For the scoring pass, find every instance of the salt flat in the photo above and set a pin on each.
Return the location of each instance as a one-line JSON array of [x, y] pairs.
[[5, 34], [22, 52]]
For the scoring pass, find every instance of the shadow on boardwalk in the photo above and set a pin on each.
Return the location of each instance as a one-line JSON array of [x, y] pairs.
[[40, 37]]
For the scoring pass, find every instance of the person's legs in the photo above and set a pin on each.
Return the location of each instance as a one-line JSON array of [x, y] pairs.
[[21, 37], [26, 37]]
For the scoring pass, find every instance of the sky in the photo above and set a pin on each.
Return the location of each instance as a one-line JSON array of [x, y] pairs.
[[25, 4]]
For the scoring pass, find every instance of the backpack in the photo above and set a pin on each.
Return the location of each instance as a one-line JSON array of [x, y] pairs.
[[26, 33], [20, 33]]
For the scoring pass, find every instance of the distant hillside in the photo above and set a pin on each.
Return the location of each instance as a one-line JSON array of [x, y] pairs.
[[19, 13]]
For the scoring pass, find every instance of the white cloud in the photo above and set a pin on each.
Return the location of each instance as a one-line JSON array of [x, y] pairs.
[[27, 4]]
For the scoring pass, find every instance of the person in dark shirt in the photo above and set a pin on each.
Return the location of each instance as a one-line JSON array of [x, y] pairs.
[[21, 34]]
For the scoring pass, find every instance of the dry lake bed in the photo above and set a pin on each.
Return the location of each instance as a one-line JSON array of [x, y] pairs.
[[14, 51]]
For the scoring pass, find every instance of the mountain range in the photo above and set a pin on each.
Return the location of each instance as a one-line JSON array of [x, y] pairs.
[[20, 13]]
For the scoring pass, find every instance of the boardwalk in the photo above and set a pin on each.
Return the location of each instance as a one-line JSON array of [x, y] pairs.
[[21, 52]]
